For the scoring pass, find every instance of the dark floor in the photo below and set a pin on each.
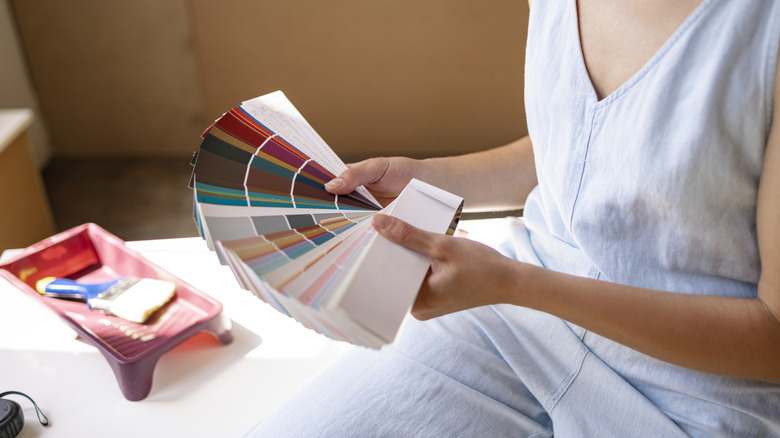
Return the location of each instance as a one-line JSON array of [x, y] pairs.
[[132, 198]]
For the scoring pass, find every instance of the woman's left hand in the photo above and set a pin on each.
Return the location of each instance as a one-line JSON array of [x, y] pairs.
[[463, 274]]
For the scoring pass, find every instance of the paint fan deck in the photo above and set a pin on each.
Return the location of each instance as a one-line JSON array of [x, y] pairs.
[[260, 202]]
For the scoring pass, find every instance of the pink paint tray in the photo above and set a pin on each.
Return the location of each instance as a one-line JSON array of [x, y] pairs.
[[91, 254]]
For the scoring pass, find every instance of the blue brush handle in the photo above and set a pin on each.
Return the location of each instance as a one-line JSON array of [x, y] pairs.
[[65, 288]]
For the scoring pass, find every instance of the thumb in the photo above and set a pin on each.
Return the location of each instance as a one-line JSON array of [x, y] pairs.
[[402, 233], [361, 173]]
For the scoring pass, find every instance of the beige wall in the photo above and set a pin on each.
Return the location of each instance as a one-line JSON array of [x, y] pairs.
[[113, 77], [16, 91], [412, 77]]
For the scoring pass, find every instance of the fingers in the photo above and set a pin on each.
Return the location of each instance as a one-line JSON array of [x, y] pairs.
[[362, 173], [406, 235]]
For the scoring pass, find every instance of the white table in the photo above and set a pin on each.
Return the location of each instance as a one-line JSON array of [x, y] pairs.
[[201, 388]]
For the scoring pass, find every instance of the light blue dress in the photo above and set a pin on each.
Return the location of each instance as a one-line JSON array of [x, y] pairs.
[[652, 186]]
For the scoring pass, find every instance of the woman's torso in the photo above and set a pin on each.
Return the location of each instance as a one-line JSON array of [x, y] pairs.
[[651, 180], [654, 184]]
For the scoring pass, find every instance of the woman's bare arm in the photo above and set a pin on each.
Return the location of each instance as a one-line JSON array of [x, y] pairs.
[[496, 179]]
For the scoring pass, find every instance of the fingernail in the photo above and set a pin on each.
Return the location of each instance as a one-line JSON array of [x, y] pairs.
[[334, 184], [382, 222]]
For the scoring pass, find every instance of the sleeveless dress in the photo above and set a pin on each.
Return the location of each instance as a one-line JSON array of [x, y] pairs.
[[652, 186]]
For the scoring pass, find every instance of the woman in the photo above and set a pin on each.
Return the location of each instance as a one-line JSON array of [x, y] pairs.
[[640, 295]]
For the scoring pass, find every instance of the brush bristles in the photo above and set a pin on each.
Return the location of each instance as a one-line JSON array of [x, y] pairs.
[[141, 300]]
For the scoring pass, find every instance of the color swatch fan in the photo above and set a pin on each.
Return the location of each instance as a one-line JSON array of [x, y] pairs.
[[261, 204]]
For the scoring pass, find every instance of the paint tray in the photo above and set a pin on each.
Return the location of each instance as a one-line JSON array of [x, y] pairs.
[[89, 253]]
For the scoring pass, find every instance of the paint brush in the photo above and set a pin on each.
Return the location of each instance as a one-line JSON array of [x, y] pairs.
[[130, 298]]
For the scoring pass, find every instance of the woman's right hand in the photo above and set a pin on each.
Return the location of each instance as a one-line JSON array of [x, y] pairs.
[[384, 177]]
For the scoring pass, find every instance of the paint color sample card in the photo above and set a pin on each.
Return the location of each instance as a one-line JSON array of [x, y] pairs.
[[260, 202]]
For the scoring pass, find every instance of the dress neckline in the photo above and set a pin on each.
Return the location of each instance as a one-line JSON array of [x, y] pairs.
[[646, 67]]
